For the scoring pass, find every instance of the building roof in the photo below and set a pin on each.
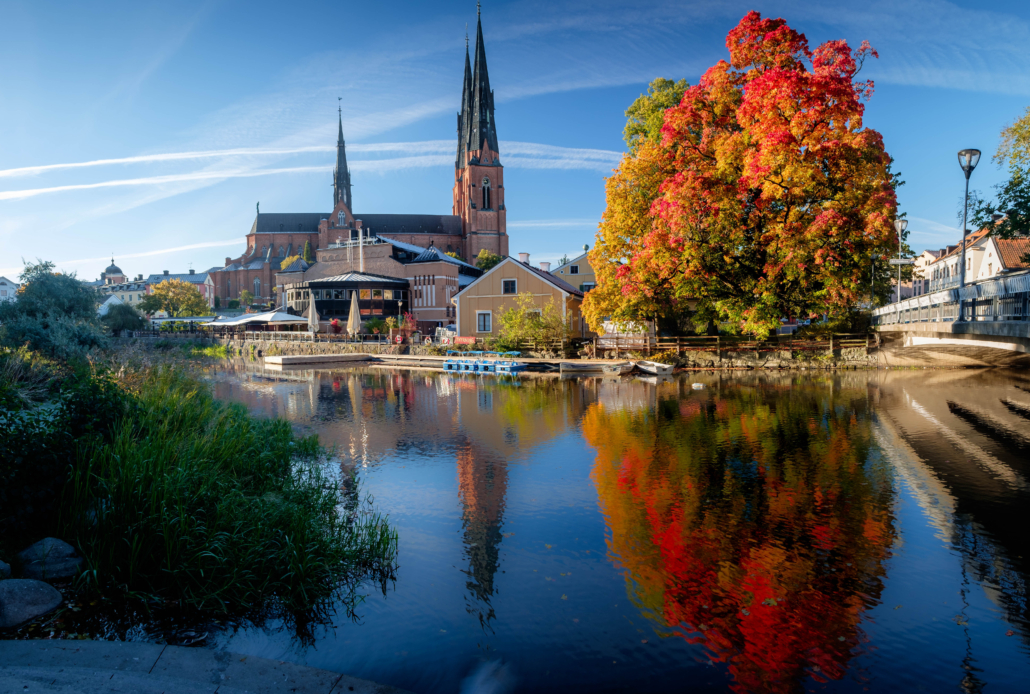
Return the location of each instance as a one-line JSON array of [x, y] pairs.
[[577, 259], [1012, 252], [113, 269], [359, 277], [431, 254], [298, 265], [4, 279], [411, 223], [545, 276], [193, 278], [284, 222], [972, 239]]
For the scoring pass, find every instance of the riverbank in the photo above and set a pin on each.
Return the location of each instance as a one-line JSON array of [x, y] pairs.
[[95, 667]]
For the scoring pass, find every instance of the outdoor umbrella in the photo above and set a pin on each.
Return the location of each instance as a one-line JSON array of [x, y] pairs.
[[312, 317], [354, 320]]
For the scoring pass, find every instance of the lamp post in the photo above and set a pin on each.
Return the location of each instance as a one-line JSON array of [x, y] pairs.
[[967, 159], [900, 225]]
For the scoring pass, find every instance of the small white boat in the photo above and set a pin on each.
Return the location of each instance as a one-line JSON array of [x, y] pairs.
[[653, 367], [581, 367], [617, 369]]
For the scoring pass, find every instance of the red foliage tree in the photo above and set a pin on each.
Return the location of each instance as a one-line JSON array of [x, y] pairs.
[[778, 195]]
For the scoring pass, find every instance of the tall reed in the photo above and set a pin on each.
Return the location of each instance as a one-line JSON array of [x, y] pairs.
[[194, 500]]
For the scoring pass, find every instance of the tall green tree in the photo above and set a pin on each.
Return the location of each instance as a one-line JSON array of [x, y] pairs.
[[309, 256], [54, 314], [1012, 196]]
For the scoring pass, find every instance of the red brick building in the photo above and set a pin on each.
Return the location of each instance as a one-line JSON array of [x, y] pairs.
[[478, 219]]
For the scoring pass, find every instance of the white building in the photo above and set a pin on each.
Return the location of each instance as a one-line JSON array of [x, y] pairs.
[[8, 289]]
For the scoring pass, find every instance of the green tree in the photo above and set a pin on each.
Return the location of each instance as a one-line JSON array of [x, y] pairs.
[[123, 317], [564, 260], [486, 260], [218, 302], [55, 314], [526, 322], [309, 257], [246, 298], [1011, 205], [178, 298], [646, 116]]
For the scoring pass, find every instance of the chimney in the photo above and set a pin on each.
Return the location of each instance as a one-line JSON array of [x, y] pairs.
[[524, 258], [166, 272], [228, 262], [192, 271], [546, 267]]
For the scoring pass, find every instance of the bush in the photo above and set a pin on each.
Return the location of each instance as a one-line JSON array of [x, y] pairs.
[[123, 317]]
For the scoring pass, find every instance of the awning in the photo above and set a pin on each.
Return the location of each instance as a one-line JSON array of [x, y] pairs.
[[268, 318]]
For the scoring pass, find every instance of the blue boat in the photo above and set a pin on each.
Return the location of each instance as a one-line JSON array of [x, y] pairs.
[[484, 366]]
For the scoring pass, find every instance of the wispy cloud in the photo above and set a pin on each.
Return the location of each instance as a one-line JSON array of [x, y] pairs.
[[144, 254], [160, 180]]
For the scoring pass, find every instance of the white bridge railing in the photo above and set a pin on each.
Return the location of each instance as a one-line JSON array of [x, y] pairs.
[[999, 299]]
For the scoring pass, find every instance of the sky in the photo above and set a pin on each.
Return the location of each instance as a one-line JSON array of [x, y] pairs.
[[149, 130]]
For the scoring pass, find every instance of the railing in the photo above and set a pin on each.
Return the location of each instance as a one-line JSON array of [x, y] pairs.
[[942, 283], [999, 299], [642, 344], [354, 243]]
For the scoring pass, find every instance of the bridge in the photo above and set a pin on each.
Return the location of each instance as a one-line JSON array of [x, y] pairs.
[[985, 323]]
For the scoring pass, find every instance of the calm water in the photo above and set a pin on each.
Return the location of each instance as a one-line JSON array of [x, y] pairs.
[[855, 532]]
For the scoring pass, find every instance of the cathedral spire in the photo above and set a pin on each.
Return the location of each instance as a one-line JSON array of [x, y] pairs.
[[483, 130], [341, 176], [465, 116]]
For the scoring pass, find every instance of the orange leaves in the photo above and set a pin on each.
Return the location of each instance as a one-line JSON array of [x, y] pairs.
[[766, 184]]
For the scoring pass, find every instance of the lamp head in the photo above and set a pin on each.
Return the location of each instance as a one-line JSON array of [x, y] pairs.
[[968, 159], [900, 225]]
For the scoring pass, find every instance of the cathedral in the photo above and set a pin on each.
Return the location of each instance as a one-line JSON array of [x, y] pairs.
[[370, 253]]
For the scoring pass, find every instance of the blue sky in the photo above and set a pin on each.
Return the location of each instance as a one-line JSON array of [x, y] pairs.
[[217, 105]]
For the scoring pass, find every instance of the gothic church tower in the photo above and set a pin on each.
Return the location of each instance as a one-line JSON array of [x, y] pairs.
[[478, 174], [341, 176]]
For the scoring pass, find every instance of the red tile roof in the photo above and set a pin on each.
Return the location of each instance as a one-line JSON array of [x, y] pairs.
[[1012, 251]]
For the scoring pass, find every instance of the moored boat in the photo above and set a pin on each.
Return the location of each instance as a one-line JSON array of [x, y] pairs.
[[488, 366], [617, 369], [655, 368]]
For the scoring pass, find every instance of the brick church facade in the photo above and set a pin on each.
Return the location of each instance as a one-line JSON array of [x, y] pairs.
[[410, 246]]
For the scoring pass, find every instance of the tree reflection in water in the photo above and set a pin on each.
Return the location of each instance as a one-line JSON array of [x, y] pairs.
[[754, 522]]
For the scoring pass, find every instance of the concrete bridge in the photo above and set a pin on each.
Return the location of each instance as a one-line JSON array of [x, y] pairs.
[[982, 324]]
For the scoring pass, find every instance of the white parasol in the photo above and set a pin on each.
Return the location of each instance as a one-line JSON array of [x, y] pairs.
[[312, 317], [354, 320]]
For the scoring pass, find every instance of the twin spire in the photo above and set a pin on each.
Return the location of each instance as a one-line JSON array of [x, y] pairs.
[[341, 176], [476, 128]]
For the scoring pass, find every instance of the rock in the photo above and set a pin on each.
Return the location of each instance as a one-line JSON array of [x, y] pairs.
[[5, 570], [22, 600], [49, 559]]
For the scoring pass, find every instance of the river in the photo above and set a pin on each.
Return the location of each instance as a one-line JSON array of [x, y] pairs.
[[764, 532]]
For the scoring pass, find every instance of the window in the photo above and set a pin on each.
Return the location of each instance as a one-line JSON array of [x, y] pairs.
[[337, 294], [574, 269], [341, 218], [509, 287], [486, 193], [483, 322], [586, 287], [365, 294], [257, 287], [377, 293]]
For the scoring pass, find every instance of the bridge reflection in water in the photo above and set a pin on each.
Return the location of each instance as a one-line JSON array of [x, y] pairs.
[[785, 528]]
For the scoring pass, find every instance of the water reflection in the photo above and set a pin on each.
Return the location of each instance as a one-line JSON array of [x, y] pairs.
[[754, 521], [760, 524]]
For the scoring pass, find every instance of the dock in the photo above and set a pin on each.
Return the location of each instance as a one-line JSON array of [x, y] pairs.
[[423, 361]]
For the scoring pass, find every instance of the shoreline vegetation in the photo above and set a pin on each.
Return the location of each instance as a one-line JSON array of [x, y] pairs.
[[177, 499]]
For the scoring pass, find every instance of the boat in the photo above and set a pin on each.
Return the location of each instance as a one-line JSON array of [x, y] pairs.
[[617, 369], [697, 386], [488, 366], [654, 368], [581, 367]]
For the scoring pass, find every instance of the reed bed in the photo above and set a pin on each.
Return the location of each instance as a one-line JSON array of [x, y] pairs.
[[193, 500]]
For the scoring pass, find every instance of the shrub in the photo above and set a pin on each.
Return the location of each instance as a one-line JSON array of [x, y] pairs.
[[123, 317]]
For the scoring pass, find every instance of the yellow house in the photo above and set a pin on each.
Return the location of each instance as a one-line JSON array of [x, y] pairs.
[[479, 305], [578, 272]]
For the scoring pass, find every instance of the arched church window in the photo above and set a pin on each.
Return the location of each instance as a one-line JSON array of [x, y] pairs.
[[341, 218], [282, 252], [486, 193], [257, 287]]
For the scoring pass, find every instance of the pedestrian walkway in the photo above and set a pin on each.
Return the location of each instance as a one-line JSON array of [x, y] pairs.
[[103, 667]]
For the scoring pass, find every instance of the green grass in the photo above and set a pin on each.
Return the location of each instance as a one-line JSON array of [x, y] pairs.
[[194, 500], [217, 351]]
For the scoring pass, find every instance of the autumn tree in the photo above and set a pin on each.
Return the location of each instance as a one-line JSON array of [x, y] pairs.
[[646, 116], [526, 322], [486, 260], [178, 298], [775, 196]]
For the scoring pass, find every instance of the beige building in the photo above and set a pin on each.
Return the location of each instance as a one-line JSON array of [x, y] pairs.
[[578, 272], [479, 305]]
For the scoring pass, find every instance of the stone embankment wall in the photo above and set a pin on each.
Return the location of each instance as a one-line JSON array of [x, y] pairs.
[[848, 358], [275, 348]]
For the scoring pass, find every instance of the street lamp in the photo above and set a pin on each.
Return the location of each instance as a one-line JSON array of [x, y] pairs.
[[900, 225], [967, 159]]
